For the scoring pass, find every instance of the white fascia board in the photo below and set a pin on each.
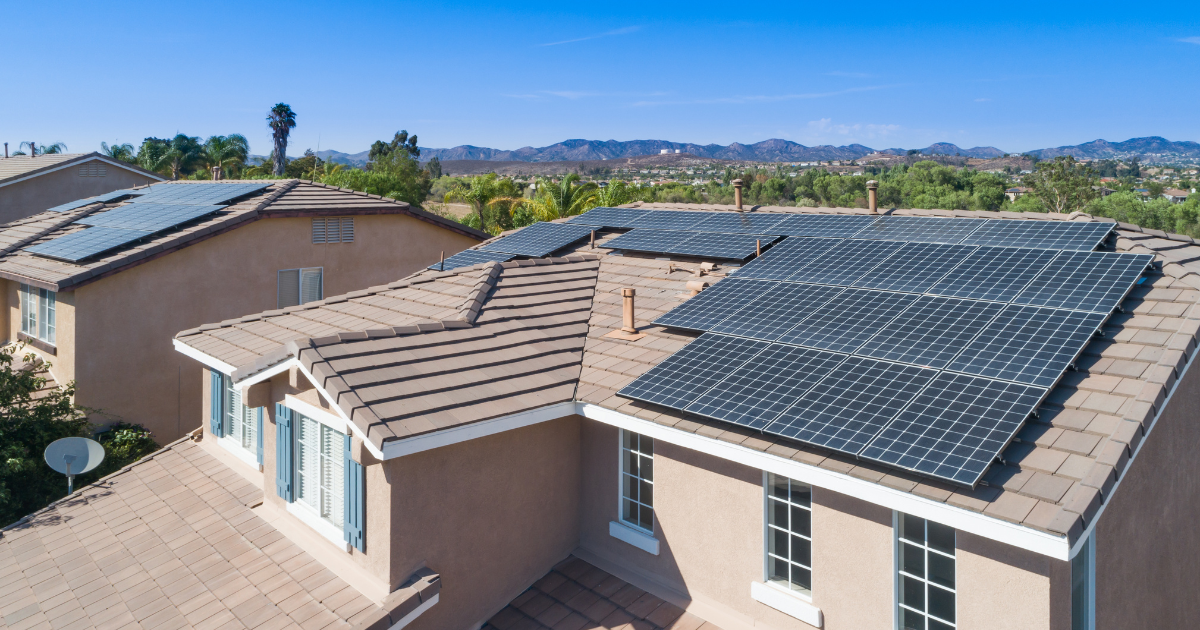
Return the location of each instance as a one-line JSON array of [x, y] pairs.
[[211, 362], [1056, 547], [324, 416], [74, 163], [374, 450], [454, 435], [417, 612], [262, 375]]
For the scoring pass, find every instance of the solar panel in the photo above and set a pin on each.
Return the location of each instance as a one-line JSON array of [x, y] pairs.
[[643, 240], [539, 239], [919, 229], [777, 310], [1085, 281], [822, 225], [931, 332], [469, 258], [848, 320], [148, 217], [994, 273], [846, 262], [608, 217], [1069, 235], [955, 428], [106, 198], [782, 260], [740, 222], [764, 386], [86, 243], [849, 406], [727, 246], [1029, 344], [682, 377], [713, 305], [914, 267], [198, 194], [669, 219]]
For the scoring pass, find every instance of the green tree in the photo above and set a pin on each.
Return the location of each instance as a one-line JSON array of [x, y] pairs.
[[282, 120], [1063, 184], [181, 155], [123, 152], [306, 167], [564, 198], [228, 152], [481, 192], [612, 195], [401, 141], [434, 168], [41, 149], [149, 155]]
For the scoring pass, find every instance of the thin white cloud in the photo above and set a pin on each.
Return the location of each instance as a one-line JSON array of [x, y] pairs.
[[762, 98], [620, 31], [1190, 40]]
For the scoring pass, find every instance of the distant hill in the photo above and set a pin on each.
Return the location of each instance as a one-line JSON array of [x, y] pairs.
[[1151, 149], [337, 157]]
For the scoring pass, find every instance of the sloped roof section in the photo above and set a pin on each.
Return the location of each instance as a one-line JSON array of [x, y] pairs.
[[23, 166]]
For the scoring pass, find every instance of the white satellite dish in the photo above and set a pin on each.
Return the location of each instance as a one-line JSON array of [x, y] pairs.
[[74, 456]]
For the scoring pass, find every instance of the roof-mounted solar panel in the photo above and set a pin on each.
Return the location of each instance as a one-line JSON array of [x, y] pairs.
[[470, 258], [822, 225], [608, 217], [994, 273], [1029, 344], [919, 229], [931, 332], [87, 243], [740, 222], [105, 198], [914, 267], [148, 217], [669, 220], [682, 377], [777, 310], [845, 263], [713, 305], [644, 240], [784, 259], [539, 239], [1085, 281], [699, 244], [199, 194], [1046, 234], [848, 320]]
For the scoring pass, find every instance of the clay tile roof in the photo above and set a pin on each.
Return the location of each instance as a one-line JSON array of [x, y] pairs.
[[576, 594], [22, 166], [167, 542]]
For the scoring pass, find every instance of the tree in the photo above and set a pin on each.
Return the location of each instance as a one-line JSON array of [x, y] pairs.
[[612, 195], [564, 197], [434, 168], [1063, 185], [282, 120], [150, 154], [228, 152], [306, 167], [480, 192], [401, 142], [181, 155], [123, 152], [42, 149]]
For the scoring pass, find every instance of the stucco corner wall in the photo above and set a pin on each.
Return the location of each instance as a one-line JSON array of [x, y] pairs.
[[1002, 587]]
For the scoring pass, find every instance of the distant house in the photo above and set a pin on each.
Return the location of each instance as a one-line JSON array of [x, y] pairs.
[[31, 184], [1175, 195], [1013, 193]]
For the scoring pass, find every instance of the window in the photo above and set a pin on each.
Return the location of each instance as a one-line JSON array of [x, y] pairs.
[[37, 313], [320, 469], [1083, 586], [333, 230], [300, 286], [925, 582], [789, 534], [241, 422], [637, 480]]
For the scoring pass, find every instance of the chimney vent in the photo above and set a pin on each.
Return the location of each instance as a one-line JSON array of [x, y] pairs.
[[873, 197], [737, 194], [6, 150], [627, 331]]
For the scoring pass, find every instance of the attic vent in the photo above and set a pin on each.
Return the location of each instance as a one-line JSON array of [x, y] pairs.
[[333, 230], [93, 169]]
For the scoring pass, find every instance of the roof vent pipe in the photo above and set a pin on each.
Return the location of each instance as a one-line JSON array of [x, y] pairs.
[[32, 150], [6, 150], [873, 197], [627, 310], [737, 194]]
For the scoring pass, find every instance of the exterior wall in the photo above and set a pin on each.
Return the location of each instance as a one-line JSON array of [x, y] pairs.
[[29, 197], [991, 577], [127, 365], [1147, 539], [62, 361]]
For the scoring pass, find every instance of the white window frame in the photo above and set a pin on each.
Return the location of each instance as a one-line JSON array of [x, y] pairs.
[[38, 308], [299, 284], [621, 482], [314, 518], [898, 572], [767, 527], [227, 441]]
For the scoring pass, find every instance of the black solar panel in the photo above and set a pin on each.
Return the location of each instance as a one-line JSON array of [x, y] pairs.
[[919, 229], [539, 239], [1068, 235], [846, 262], [608, 217], [849, 406], [955, 428], [725, 246], [740, 222], [846, 322], [994, 273], [1085, 281], [780, 308], [914, 267], [1029, 344], [682, 377], [669, 219], [147, 217], [198, 194], [643, 240], [713, 305], [822, 225], [784, 259], [931, 332], [105, 198], [86, 243], [763, 387], [468, 258]]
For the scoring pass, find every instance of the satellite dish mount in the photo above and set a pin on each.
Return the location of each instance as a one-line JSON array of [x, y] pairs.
[[74, 456]]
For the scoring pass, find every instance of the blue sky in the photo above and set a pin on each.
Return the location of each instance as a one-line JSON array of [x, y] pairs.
[[1017, 76]]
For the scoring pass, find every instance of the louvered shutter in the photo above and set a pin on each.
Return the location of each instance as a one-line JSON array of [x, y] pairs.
[[258, 432], [216, 414], [347, 229], [355, 503], [284, 462], [289, 288], [319, 231], [310, 285]]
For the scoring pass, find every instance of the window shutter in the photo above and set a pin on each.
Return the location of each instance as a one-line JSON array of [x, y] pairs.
[[355, 514], [347, 229], [289, 288], [310, 285], [319, 231], [217, 394], [284, 461], [258, 433]]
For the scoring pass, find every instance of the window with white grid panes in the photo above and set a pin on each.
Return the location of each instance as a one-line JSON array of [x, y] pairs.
[[320, 469], [637, 480], [37, 313], [241, 422], [925, 582], [789, 534]]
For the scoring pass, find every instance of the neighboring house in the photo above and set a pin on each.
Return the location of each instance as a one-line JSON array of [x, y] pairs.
[[1175, 195], [1013, 193], [29, 185], [94, 318]]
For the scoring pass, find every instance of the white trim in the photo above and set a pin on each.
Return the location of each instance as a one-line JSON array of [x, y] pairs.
[[278, 368], [371, 448], [81, 160], [787, 603], [325, 417], [463, 433], [958, 518], [412, 616], [211, 362], [326, 529], [636, 537], [236, 449]]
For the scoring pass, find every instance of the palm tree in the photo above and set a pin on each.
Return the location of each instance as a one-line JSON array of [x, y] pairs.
[[122, 152], [565, 198], [480, 192], [612, 195], [231, 150], [281, 119], [44, 149], [181, 152]]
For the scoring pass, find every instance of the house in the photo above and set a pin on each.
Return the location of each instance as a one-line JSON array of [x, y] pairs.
[[1013, 193], [1175, 195], [31, 184], [93, 314], [449, 450]]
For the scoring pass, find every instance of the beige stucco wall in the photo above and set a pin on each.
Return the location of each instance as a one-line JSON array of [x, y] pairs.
[[1147, 539], [31, 196], [1001, 587], [62, 360], [126, 364]]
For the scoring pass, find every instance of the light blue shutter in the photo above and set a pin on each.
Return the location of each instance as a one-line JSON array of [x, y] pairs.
[[262, 411], [216, 413], [355, 503], [284, 445]]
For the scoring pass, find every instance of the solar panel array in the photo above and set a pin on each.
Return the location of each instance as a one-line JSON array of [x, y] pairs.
[[727, 246], [105, 198], [470, 258], [86, 243], [148, 217], [202, 194], [539, 239], [919, 354]]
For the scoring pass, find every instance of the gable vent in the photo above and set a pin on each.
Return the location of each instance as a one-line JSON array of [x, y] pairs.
[[333, 230], [93, 169]]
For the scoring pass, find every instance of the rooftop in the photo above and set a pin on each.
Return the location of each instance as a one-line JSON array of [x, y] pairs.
[[21, 166]]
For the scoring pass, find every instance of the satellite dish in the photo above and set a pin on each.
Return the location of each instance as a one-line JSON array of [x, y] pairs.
[[74, 456]]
